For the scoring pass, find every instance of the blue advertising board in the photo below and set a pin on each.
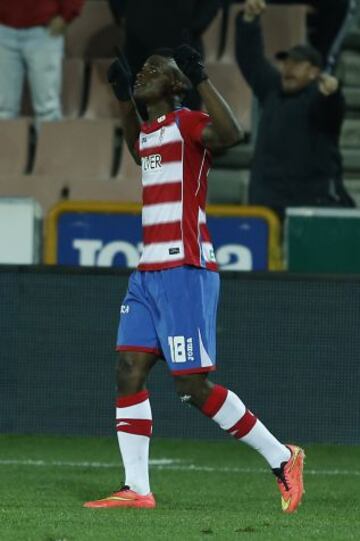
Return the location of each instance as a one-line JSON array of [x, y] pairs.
[[110, 235]]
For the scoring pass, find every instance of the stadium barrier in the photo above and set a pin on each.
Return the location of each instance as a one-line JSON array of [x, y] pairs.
[[322, 240], [105, 234], [287, 344]]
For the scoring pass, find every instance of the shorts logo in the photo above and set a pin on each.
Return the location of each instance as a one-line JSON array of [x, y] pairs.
[[125, 309], [173, 251], [181, 349]]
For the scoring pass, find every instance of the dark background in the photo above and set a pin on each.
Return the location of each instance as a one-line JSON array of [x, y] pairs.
[[288, 345]]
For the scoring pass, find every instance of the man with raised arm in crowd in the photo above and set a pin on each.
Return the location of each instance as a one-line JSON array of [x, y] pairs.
[[32, 44], [297, 160]]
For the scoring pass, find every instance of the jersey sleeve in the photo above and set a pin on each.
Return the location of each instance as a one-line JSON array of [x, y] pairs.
[[192, 125]]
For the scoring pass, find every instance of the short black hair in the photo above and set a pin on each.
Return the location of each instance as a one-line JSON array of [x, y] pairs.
[[166, 52]]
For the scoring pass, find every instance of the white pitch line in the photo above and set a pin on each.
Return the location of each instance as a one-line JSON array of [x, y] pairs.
[[161, 462], [168, 464], [193, 467]]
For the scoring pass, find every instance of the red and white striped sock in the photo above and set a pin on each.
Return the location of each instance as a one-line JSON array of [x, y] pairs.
[[134, 428], [229, 412]]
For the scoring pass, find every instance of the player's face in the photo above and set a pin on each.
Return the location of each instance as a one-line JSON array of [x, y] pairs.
[[296, 75], [155, 79]]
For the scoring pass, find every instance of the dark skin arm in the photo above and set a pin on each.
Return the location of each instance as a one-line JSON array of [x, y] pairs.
[[224, 130], [130, 120]]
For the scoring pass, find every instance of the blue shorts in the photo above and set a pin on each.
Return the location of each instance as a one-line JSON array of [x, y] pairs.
[[172, 313]]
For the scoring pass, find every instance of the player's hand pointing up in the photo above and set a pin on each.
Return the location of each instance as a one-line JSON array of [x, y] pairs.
[[190, 63], [253, 8], [120, 77]]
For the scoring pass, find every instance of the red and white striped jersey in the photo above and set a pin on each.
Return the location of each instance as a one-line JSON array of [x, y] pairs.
[[175, 165]]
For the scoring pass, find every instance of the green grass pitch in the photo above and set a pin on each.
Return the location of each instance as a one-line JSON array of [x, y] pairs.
[[205, 490]]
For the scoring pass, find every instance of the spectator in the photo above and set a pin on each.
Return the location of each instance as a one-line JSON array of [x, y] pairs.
[[151, 25], [297, 159], [32, 43]]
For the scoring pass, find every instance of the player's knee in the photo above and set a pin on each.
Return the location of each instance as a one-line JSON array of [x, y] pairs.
[[192, 389], [187, 387], [183, 385], [130, 375]]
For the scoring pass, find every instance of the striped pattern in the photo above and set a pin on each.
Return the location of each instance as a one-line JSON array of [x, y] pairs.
[[174, 178], [133, 414]]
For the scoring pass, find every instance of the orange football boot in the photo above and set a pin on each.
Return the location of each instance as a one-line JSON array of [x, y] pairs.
[[125, 497], [290, 479]]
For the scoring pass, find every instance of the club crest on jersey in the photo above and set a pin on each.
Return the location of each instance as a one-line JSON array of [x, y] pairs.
[[161, 136], [149, 163]]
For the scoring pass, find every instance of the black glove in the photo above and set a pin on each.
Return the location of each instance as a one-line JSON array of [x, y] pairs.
[[120, 77], [190, 63]]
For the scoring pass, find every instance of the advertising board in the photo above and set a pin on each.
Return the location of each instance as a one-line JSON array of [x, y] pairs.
[[108, 234]]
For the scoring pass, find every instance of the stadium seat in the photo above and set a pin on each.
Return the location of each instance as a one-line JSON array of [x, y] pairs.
[[75, 149], [350, 133], [93, 34], [353, 187], [228, 186], [238, 157], [95, 190], [129, 177], [351, 160], [72, 89], [101, 102], [14, 146], [231, 84], [47, 191], [283, 27]]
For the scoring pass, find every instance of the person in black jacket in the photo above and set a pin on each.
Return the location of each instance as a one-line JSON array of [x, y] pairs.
[[297, 161], [151, 25]]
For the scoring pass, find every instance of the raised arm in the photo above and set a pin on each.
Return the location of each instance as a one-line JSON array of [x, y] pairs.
[[328, 106], [120, 78], [224, 131], [259, 73]]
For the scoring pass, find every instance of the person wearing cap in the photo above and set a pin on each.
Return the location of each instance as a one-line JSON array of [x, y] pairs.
[[296, 161]]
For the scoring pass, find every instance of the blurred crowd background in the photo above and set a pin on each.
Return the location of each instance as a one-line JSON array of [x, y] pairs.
[[61, 138]]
